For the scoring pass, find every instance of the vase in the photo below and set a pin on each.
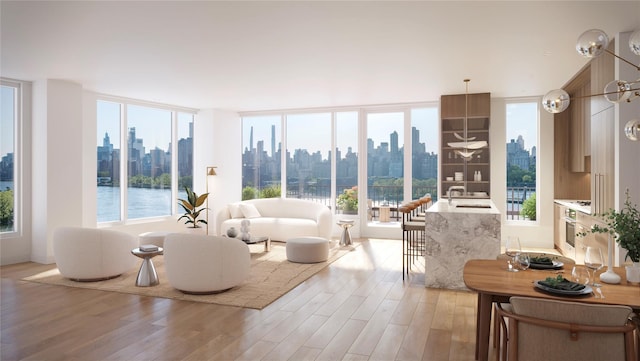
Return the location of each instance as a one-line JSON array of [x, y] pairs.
[[232, 232], [633, 273]]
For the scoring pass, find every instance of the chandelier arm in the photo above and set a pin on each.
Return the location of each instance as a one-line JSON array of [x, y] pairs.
[[635, 90], [623, 59]]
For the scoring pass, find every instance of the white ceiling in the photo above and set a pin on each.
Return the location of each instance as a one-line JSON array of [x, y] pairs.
[[275, 55]]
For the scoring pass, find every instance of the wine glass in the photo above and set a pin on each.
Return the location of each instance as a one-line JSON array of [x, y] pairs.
[[512, 249], [580, 275], [594, 261]]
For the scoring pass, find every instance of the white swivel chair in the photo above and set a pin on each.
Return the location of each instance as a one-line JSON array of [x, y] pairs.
[[92, 254], [201, 264]]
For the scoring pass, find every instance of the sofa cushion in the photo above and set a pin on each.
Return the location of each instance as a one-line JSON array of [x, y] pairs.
[[234, 209], [249, 210], [278, 229]]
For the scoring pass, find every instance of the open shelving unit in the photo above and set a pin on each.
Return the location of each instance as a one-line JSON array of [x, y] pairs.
[[452, 114]]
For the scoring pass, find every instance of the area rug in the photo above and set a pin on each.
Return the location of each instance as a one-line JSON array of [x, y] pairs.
[[270, 277]]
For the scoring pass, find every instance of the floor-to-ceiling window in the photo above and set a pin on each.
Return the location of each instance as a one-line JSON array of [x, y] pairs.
[[521, 143], [261, 156], [424, 152], [346, 155], [385, 162], [308, 153], [136, 146], [323, 162], [9, 119]]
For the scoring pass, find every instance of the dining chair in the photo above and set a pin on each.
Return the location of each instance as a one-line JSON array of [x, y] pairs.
[[568, 264], [564, 330]]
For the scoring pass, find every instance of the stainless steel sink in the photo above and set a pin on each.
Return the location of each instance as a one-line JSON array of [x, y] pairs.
[[473, 206]]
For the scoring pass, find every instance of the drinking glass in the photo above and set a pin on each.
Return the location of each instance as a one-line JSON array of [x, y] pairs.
[[594, 261], [523, 261], [580, 275], [512, 249]]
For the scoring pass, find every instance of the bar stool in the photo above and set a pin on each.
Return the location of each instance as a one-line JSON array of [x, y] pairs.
[[412, 236]]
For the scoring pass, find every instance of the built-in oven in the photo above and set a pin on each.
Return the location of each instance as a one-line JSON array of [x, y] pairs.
[[570, 228]]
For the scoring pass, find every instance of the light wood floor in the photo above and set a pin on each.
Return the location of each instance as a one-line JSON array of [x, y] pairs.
[[358, 308]]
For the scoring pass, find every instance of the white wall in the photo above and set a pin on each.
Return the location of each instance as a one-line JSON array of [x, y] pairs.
[[57, 162], [224, 150]]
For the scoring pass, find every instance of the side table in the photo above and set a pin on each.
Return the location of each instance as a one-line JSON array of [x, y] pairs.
[[345, 239], [147, 275]]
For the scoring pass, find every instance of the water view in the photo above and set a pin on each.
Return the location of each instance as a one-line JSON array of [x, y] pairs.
[[143, 203]]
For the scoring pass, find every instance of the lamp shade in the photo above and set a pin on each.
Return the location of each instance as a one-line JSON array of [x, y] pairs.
[[592, 43]]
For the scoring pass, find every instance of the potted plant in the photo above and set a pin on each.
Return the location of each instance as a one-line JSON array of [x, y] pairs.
[[624, 225], [192, 209], [348, 200]]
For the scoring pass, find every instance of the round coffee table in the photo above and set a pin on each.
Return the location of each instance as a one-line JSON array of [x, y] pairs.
[[147, 275], [260, 239]]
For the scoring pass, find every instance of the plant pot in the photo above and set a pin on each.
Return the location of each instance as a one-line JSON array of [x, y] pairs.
[[633, 273]]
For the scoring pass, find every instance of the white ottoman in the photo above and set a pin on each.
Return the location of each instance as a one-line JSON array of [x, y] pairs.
[[307, 249], [155, 238]]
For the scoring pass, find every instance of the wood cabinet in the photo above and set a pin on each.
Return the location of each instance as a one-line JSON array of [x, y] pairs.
[[559, 236], [602, 160], [579, 121], [602, 137], [452, 112]]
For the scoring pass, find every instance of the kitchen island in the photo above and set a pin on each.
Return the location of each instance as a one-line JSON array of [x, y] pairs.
[[467, 229]]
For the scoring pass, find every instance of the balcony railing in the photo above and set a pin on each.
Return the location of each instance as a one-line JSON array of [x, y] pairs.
[[391, 196], [515, 198]]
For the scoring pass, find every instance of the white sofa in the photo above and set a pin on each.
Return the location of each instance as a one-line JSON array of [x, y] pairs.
[[277, 218]]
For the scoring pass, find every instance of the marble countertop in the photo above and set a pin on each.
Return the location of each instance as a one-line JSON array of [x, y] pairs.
[[465, 205], [573, 205]]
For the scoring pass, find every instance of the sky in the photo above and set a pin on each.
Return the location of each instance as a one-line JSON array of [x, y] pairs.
[[312, 130], [6, 120], [152, 125]]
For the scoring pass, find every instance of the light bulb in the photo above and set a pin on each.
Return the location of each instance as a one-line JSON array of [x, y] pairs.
[[632, 129], [634, 42], [592, 43], [556, 101], [619, 90]]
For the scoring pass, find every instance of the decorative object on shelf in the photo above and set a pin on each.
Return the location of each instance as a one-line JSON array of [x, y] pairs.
[[624, 225], [191, 207], [244, 230], [211, 171], [592, 43], [468, 145]]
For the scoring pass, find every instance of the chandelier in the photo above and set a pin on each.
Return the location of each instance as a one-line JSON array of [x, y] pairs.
[[592, 43], [468, 146]]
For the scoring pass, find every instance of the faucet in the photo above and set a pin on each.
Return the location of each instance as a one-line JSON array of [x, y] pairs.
[[455, 187]]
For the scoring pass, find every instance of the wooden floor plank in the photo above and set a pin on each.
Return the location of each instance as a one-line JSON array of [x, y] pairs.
[[358, 308]]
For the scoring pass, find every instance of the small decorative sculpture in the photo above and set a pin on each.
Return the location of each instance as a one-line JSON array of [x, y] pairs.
[[244, 230], [232, 232]]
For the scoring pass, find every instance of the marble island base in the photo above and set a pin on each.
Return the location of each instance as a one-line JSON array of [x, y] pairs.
[[455, 235]]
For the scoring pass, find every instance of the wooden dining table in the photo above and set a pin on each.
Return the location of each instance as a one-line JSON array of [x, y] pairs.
[[493, 283]]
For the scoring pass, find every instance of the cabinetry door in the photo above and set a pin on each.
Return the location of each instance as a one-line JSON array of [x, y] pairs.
[[602, 72], [559, 236], [602, 160], [578, 130]]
